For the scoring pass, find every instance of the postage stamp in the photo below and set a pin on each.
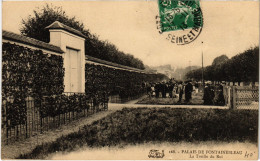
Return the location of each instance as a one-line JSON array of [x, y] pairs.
[[183, 16]]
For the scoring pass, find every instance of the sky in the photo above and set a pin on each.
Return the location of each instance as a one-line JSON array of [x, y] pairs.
[[230, 27]]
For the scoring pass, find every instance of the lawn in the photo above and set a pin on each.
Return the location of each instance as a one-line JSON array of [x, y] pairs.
[[196, 100], [143, 125]]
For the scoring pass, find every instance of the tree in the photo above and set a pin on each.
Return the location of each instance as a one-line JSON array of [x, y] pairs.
[[242, 67], [34, 27], [219, 60]]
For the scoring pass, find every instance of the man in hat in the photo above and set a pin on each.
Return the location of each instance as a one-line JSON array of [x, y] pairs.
[[188, 91]]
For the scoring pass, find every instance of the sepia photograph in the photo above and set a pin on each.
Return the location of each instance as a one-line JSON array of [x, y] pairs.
[[130, 80]]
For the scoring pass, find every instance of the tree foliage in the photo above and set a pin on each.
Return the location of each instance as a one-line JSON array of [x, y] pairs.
[[219, 60], [242, 67], [34, 27]]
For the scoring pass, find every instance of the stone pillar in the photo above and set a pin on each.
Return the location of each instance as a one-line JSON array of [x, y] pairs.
[[70, 41]]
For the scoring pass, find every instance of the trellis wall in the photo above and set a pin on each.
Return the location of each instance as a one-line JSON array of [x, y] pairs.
[[70, 107], [34, 83], [120, 85], [31, 101], [25, 75], [245, 97]]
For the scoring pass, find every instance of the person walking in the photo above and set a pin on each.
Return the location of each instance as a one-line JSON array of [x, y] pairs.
[[157, 90], [170, 89], [153, 90], [164, 88], [219, 96], [208, 95], [160, 89], [188, 91], [149, 90], [180, 91]]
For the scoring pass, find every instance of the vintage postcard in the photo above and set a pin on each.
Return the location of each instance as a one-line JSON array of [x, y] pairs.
[[130, 80]]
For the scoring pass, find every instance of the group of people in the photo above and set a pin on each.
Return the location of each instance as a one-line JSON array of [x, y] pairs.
[[214, 94], [170, 89]]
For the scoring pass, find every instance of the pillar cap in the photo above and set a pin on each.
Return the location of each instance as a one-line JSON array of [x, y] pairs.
[[59, 25]]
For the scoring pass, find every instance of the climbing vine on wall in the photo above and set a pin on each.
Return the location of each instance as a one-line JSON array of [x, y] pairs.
[[60, 104], [114, 81], [27, 72], [32, 73]]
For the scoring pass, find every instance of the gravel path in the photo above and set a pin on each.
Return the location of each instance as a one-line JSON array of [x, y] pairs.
[[117, 106], [13, 150]]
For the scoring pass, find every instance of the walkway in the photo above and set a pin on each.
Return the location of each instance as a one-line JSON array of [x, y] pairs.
[[13, 150], [117, 106]]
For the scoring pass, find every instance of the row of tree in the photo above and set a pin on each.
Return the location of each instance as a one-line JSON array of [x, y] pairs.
[[34, 26], [243, 67]]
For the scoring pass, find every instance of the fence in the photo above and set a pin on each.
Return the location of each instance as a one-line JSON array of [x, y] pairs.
[[241, 97], [245, 97], [227, 92], [118, 99], [73, 107]]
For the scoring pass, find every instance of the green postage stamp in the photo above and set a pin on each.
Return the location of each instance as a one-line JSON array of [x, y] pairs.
[[183, 15], [180, 15]]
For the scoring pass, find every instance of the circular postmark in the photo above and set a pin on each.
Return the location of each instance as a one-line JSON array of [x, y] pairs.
[[181, 21]]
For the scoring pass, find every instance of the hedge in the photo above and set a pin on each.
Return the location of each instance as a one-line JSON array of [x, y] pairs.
[[115, 81], [27, 72]]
